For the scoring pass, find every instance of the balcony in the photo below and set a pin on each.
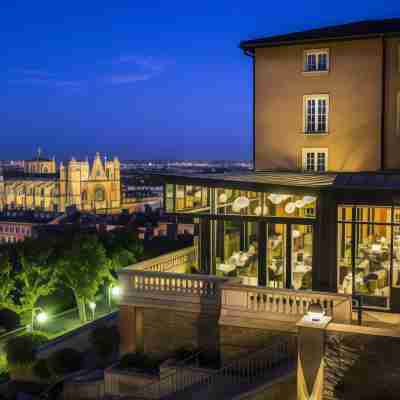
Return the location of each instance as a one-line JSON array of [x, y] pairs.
[[159, 283]]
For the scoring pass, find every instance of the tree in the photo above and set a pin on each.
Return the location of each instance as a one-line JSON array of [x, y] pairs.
[[122, 248], [37, 278], [7, 286], [83, 267]]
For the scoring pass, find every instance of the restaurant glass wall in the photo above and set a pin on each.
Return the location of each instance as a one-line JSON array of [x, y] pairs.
[[366, 253], [239, 256], [250, 250], [302, 255], [276, 255], [224, 201]]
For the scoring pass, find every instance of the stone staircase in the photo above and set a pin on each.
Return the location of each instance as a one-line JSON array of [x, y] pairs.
[[239, 377]]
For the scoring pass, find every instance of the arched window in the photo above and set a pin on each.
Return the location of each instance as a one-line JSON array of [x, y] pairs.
[[45, 170], [42, 192], [84, 195], [99, 194]]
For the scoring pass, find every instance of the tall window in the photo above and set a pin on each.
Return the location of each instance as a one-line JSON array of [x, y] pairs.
[[315, 160], [368, 253], [316, 109], [100, 194], [316, 60]]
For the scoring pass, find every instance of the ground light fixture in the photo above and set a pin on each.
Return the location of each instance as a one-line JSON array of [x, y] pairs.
[[92, 306], [315, 312]]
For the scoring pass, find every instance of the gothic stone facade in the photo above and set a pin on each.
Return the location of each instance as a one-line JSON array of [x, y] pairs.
[[94, 188]]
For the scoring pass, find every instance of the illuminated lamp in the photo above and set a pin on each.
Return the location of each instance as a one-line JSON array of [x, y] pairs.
[[223, 198], [241, 202], [41, 317], [376, 248], [308, 199], [315, 312], [257, 210], [295, 234], [290, 208], [299, 203], [274, 198]]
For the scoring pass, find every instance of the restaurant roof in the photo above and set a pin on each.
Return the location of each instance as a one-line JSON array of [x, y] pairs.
[[296, 181], [257, 180]]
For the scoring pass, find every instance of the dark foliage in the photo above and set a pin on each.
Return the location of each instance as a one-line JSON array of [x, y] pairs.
[[20, 350], [105, 340], [139, 361], [9, 319], [41, 369], [65, 361]]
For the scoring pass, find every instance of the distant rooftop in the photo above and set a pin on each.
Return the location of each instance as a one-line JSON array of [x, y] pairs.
[[23, 216], [360, 29]]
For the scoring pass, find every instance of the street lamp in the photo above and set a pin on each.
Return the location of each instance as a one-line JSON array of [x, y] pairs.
[[116, 291], [92, 306], [113, 292], [40, 316]]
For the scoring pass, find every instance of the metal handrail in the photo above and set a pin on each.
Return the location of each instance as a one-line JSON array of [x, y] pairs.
[[244, 371], [149, 388]]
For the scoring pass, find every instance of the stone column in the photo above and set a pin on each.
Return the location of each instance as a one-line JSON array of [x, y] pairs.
[[310, 365]]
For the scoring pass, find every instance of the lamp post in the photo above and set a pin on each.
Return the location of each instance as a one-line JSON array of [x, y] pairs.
[[92, 306], [40, 316], [114, 292]]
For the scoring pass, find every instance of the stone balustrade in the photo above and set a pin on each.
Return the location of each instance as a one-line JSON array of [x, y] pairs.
[[171, 290], [177, 261], [280, 304]]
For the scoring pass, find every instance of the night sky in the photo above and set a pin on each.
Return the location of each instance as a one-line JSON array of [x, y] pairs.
[[142, 79]]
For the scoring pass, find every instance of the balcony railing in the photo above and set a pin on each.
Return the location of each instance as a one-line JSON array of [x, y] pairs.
[[283, 304], [176, 261], [179, 291]]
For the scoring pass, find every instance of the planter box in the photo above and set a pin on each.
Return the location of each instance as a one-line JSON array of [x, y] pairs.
[[119, 382]]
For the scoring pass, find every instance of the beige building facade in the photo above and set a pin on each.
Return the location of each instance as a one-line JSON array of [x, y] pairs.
[[358, 85]]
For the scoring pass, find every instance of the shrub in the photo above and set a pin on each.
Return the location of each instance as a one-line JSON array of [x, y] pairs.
[[9, 319], [65, 361], [105, 340], [139, 361], [20, 350], [38, 338], [41, 369]]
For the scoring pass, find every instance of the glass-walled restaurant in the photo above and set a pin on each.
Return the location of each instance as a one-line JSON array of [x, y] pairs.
[[284, 240], [263, 238]]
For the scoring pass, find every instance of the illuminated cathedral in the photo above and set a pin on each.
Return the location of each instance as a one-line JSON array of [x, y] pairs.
[[42, 185]]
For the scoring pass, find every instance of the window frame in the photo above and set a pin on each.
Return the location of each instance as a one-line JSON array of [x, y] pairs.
[[315, 151], [316, 53], [316, 97]]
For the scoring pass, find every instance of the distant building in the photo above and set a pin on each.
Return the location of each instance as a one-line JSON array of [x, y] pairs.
[[43, 186], [18, 225]]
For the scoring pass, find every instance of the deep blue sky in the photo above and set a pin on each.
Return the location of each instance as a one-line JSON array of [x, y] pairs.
[[142, 79]]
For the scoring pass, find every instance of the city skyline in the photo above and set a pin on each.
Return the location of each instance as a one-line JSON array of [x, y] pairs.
[[141, 82]]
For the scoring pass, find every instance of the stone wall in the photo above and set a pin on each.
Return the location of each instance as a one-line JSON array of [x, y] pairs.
[[165, 331], [236, 341], [361, 366]]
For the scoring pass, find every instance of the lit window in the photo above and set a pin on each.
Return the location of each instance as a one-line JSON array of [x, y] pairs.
[[316, 110], [315, 160], [316, 60]]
